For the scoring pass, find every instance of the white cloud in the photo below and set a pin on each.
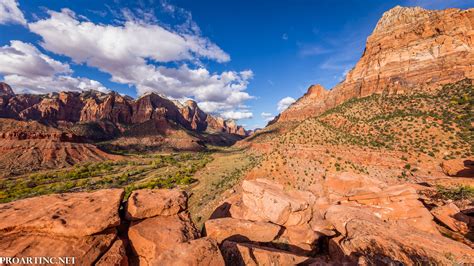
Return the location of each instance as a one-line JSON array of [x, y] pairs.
[[284, 103], [26, 69], [130, 54], [267, 116], [10, 13], [236, 115], [26, 60], [41, 85], [106, 46]]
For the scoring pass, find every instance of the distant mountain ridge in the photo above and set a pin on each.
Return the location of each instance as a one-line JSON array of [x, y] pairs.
[[119, 111]]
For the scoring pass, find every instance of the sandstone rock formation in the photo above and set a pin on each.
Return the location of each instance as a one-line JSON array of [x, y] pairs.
[[148, 243], [452, 217], [410, 48], [80, 225], [458, 167], [87, 226], [380, 242], [202, 251], [158, 231], [249, 254], [155, 202], [151, 122], [367, 221], [5, 89], [95, 107], [232, 229], [28, 146]]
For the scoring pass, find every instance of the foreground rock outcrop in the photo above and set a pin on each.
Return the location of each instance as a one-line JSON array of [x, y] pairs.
[[88, 226], [358, 219], [81, 225], [265, 224]]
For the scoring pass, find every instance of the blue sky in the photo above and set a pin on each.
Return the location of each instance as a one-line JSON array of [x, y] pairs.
[[236, 58]]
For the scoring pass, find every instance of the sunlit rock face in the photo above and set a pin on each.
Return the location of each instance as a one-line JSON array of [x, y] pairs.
[[410, 49]]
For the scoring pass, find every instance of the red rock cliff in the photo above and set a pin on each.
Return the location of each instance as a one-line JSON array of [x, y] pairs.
[[410, 48]]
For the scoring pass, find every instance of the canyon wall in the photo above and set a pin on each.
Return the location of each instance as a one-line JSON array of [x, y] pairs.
[[410, 49]]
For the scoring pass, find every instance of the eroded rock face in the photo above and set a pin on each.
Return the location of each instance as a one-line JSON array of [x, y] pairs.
[[85, 249], [71, 214], [5, 89], [96, 107], [116, 255], [148, 203], [384, 242], [452, 217], [80, 225], [202, 251], [235, 229], [410, 48], [86, 227], [269, 201], [459, 167], [151, 237], [249, 254]]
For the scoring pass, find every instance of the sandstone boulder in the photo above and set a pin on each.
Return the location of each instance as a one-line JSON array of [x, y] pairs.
[[241, 230], [153, 236], [398, 204], [452, 217], [71, 214], [85, 249], [238, 210], [249, 254], [339, 185], [199, 252], [459, 167], [272, 203], [147, 203], [300, 238], [384, 242], [116, 255]]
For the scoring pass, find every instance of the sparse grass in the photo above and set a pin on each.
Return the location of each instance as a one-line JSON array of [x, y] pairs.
[[456, 193], [140, 171], [418, 122]]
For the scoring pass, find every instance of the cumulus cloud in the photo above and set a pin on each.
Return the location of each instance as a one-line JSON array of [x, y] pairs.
[[40, 85], [26, 69], [11, 13], [236, 115], [284, 103], [132, 53], [26, 60], [267, 116]]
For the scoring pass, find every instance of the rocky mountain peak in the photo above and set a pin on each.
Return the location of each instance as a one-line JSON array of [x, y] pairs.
[[191, 104], [410, 49], [399, 16], [5, 89], [316, 91]]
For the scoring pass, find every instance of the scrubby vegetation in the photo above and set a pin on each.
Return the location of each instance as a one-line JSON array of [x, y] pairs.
[[145, 171], [437, 124], [456, 193]]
